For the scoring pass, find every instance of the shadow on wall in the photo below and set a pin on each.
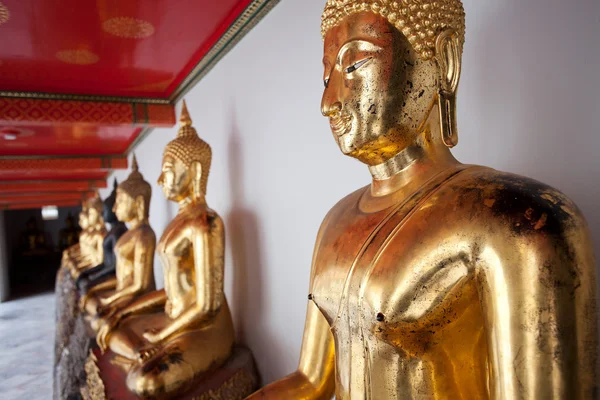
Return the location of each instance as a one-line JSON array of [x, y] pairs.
[[249, 297], [534, 78]]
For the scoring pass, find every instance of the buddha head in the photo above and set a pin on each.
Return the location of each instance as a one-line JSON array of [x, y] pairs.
[[387, 65], [95, 208], [109, 202], [186, 163], [132, 200]]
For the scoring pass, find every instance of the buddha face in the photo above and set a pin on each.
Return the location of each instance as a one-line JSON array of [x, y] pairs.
[[83, 219], [125, 207], [93, 216], [175, 179], [378, 92]]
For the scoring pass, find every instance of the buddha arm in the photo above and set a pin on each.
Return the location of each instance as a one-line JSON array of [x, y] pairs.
[[539, 307], [109, 284], [98, 250], [145, 303], [314, 379], [208, 250], [142, 267]]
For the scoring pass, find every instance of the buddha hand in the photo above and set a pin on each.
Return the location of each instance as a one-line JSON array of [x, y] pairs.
[[82, 302], [152, 336], [106, 329], [146, 352]]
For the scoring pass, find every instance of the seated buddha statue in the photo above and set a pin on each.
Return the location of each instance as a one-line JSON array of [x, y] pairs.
[[90, 250], [134, 253], [438, 280], [33, 239], [168, 337], [75, 251], [106, 269]]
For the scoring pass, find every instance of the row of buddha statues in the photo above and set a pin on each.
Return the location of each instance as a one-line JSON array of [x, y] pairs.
[[439, 280], [184, 330]]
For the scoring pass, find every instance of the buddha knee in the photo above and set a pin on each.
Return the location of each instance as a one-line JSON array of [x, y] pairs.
[[145, 383]]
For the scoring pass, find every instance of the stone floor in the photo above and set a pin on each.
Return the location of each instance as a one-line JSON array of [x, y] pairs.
[[26, 348]]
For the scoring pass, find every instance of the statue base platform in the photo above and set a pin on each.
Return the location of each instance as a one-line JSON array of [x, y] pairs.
[[72, 340], [236, 379]]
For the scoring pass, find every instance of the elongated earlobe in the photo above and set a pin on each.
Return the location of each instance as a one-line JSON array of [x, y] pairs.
[[140, 208], [196, 170], [448, 54]]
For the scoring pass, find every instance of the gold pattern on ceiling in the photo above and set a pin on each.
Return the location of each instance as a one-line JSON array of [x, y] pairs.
[[79, 57], [4, 14], [128, 27]]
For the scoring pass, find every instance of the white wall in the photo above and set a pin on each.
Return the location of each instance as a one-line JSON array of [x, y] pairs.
[[528, 104]]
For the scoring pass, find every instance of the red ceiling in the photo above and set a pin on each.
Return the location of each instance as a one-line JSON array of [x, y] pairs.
[[59, 140], [173, 37], [81, 82]]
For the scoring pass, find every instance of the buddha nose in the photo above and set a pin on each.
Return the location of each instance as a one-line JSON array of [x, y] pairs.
[[331, 110], [330, 104]]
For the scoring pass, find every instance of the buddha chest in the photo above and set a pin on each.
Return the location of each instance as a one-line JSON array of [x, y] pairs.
[[396, 287]]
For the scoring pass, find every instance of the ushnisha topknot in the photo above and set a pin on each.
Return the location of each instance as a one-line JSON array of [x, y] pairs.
[[135, 185], [189, 148], [420, 21]]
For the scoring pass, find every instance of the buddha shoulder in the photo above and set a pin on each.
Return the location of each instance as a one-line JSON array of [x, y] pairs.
[[520, 205], [205, 220], [143, 232]]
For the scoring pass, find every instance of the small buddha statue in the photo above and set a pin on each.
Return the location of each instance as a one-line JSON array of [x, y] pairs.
[[33, 239], [73, 252], [106, 269], [134, 253], [438, 280], [90, 250], [168, 337], [69, 235]]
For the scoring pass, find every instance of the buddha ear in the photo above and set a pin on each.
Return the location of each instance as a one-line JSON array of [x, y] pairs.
[[196, 171], [140, 207], [448, 57]]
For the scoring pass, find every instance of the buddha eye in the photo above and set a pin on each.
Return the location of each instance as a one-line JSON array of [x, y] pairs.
[[326, 82], [357, 65]]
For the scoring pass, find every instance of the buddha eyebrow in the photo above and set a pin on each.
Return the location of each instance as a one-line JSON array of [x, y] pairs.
[[346, 45]]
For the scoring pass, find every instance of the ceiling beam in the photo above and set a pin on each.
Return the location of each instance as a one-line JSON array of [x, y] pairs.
[[47, 198], [26, 206], [16, 187], [48, 112]]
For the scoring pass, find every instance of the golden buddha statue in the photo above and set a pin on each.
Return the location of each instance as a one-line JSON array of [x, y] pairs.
[[75, 251], [168, 337], [438, 280], [90, 251], [134, 252]]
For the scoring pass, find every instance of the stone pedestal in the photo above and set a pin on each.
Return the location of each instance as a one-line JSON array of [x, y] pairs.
[[235, 380], [72, 341]]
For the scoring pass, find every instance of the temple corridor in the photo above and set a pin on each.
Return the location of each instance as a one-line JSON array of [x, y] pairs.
[[27, 340]]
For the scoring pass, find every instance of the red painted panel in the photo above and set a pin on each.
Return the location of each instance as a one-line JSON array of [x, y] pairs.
[[81, 46], [53, 175], [20, 110], [49, 198], [49, 186], [72, 140], [25, 206], [82, 168]]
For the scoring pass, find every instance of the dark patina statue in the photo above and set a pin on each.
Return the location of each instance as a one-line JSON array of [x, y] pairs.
[[102, 272]]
